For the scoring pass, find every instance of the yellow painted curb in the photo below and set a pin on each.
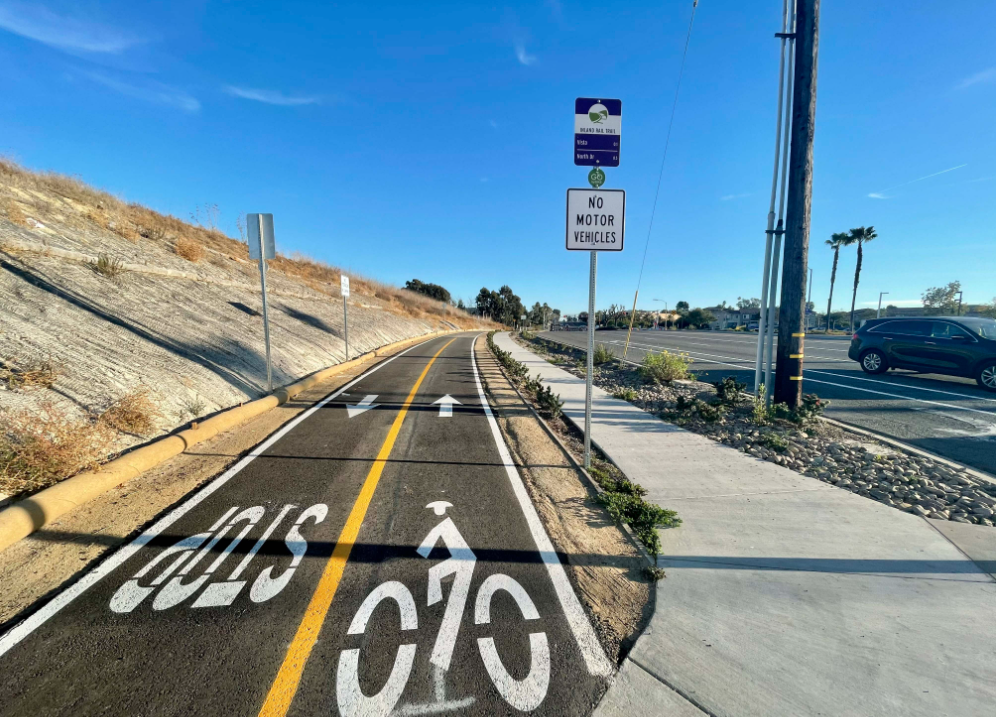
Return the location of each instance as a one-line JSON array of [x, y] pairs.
[[24, 517]]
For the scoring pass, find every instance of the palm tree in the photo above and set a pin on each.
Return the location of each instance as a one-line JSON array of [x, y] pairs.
[[861, 235], [835, 242]]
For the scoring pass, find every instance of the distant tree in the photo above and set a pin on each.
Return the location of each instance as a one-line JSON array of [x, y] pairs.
[[941, 299], [860, 236], [743, 303], [835, 242], [434, 291], [460, 305], [681, 306], [696, 319], [989, 309]]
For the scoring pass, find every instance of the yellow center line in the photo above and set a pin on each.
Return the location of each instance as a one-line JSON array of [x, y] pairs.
[[281, 694]]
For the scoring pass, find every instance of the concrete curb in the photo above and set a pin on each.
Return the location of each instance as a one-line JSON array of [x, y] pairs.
[[981, 475], [651, 561], [24, 517]]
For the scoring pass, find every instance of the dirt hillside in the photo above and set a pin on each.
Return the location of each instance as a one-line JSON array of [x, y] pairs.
[[118, 323]]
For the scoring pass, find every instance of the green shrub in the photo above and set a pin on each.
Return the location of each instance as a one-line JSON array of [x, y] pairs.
[[812, 408], [549, 402], [603, 354], [643, 517], [759, 414], [665, 367], [774, 442], [626, 394], [729, 390]]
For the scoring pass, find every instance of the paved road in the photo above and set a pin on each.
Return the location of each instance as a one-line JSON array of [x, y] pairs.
[[952, 417], [377, 555]]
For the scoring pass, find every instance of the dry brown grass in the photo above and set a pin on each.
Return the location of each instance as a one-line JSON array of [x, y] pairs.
[[108, 266], [134, 221], [42, 374], [14, 213], [189, 249], [42, 446], [134, 413]]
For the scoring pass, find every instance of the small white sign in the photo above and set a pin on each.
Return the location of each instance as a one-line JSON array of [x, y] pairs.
[[596, 219], [344, 285], [253, 224]]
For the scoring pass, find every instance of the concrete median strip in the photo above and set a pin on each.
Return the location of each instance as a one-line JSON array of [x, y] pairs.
[[24, 517]]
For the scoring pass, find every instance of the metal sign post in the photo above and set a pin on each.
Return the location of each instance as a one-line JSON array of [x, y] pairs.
[[596, 218], [262, 247], [596, 221], [344, 289]]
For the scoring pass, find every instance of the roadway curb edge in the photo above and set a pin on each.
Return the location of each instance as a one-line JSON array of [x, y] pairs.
[[22, 518]]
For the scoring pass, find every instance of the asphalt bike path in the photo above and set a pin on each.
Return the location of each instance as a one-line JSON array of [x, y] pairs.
[[378, 555], [947, 415]]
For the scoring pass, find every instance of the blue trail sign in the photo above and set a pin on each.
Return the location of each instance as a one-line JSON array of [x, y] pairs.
[[597, 132]]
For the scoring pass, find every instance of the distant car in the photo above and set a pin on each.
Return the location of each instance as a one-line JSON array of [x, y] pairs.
[[752, 326], [953, 346]]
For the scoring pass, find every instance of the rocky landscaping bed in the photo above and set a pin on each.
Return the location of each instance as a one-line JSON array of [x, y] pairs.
[[797, 440]]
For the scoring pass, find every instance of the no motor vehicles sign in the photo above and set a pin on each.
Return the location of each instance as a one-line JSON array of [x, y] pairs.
[[596, 219]]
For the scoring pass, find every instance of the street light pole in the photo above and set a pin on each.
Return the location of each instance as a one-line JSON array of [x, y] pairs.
[[959, 302], [878, 313]]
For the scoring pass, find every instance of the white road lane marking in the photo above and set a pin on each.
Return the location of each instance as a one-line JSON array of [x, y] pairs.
[[594, 657], [839, 385], [446, 406], [904, 385], [363, 406], [20, 631]]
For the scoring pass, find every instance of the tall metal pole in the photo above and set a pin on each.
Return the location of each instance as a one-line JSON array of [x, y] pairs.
[[591, 365], [788, 383], [769, 232], [345, 324], [266, 313], [878, 313], [960, 295], [809, 296], [631, 318]]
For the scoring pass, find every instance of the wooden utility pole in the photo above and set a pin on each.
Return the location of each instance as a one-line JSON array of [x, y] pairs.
[[792, 311]]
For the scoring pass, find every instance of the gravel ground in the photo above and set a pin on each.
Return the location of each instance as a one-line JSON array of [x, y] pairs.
[[905, 481]]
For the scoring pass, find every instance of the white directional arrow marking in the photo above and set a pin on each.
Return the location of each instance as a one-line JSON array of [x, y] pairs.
[[446, 406], [365, 405]]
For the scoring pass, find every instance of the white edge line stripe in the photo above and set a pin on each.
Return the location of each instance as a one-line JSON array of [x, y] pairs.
[[594, 657], [853, 388], [20, 631], [902, 385]]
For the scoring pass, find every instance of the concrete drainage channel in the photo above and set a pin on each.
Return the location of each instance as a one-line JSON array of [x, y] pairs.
[[22, 518]]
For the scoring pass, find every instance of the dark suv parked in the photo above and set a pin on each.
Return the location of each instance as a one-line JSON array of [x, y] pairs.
[[957, 346]]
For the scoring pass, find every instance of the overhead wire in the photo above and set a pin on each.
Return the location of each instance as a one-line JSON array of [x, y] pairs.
[[660, 175]]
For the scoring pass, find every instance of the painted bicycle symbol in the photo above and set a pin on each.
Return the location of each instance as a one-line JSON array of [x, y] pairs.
[[525, 694]]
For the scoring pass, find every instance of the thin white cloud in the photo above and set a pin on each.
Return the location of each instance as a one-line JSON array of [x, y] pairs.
[[728, 197], [882, 195], [155, 93], [493, 124], [522, 56], [270, 97], [978, 78], [38, 23]]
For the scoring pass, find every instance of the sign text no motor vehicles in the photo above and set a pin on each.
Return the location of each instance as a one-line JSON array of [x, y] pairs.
[[596, 219]]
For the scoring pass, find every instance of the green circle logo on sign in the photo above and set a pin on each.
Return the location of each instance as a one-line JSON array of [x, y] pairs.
[[596, 177]]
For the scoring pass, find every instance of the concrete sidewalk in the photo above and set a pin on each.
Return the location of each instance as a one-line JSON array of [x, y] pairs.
[[785, 595]]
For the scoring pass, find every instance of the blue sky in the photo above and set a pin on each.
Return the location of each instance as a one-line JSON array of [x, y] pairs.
[[434, 140]]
